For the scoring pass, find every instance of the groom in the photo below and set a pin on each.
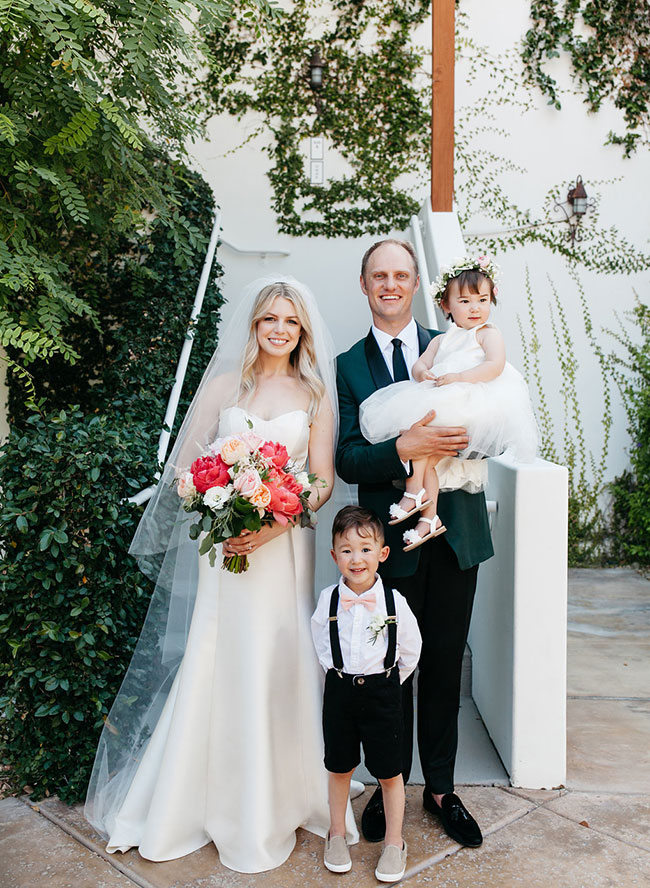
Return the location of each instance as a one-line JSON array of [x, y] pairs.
[[438, 579]]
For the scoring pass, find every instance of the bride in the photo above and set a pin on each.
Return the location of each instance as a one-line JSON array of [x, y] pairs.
[[215, 734]]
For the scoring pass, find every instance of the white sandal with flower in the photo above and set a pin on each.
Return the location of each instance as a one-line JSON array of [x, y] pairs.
[[398, 514], [413, 538]]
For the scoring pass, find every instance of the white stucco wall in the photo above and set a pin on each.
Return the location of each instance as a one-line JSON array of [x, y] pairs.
[[553, 146]]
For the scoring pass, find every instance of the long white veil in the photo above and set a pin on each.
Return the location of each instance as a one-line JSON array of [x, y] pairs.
[[166, 555]]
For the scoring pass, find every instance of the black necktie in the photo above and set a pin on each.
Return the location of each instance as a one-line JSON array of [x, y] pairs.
[[400, 373]]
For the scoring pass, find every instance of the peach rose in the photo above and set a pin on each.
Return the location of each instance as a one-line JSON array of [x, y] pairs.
[[233, 450], [186, 485], [260, 497]]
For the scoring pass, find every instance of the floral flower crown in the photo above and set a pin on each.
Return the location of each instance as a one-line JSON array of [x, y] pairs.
[[484, 264]]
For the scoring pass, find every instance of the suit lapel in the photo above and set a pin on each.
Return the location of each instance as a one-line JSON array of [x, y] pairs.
[[376, 364], [424, 337]]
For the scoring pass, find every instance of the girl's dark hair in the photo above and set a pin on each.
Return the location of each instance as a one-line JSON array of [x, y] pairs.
[[468, 280], [365, 522]]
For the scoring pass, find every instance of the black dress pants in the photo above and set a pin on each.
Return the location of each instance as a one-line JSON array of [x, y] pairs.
[[441, 596]]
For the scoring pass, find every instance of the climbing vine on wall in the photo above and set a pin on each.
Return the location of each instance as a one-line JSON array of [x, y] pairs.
[[372, 109], [608, 42], [375, 112]]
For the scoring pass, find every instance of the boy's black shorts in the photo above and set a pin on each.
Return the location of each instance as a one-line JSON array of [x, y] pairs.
[[363, 710]]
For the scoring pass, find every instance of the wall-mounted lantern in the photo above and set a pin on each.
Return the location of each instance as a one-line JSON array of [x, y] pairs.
[[316, 76], [574, 208]]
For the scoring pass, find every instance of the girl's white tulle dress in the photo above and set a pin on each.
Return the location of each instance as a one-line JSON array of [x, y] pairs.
[[236, 757], [498, 415]]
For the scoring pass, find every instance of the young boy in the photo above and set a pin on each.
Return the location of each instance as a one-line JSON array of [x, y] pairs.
[[368, 642]]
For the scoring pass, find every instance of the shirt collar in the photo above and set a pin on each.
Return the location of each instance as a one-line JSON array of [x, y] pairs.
[[377, 588], [409, 336]]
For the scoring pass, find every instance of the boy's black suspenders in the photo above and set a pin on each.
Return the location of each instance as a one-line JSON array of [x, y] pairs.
[[335, 643]]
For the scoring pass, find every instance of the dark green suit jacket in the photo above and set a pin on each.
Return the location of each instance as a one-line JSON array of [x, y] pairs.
[[374, 467]]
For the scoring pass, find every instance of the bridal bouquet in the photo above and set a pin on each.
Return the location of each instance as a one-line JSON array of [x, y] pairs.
[[241, 483]]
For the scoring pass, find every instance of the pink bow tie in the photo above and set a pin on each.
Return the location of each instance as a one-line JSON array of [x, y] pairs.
[[348, 600]]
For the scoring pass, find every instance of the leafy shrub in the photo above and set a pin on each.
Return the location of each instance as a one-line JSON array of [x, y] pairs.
[[630, 530], [72, 601]]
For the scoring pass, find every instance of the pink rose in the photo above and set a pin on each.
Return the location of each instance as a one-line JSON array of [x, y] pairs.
[[277, 453], [251, 440], [233, 450], [247, 482], [209, 471], [186, 485], [483, 261], [283, 504]]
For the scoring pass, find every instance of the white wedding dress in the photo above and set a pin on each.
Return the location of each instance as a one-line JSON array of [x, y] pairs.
[[236, 757]]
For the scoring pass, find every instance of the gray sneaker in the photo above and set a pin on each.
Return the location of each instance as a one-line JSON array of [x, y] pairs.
[[392, 864], [337, 855]]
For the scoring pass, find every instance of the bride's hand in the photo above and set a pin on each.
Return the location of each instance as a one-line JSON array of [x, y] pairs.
[[248, 541]]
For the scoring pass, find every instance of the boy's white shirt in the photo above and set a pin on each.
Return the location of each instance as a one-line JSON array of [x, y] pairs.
[[360, 655]]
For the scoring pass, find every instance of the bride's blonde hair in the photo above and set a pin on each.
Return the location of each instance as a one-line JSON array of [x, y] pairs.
[[302, 358]]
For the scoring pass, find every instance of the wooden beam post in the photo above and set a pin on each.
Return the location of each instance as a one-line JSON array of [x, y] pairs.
[[442, 110]]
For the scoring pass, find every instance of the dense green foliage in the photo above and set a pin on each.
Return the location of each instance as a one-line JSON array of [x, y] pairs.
[[86, 94], [72, 598], [630, 531], [610, 58], [372, 108]]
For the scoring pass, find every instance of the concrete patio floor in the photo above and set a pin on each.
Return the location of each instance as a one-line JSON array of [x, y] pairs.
[[595, 833]]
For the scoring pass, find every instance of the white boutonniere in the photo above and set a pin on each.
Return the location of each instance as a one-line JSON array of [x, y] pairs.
[[377, 626]]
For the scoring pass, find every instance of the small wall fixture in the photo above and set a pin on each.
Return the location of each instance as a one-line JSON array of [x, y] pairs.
[[574, 208], [316, 76]]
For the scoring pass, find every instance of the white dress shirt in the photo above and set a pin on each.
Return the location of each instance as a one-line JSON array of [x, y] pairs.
[[360, 655], [410, 345]]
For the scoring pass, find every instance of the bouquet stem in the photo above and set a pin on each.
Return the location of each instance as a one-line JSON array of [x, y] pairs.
[[235, 563]]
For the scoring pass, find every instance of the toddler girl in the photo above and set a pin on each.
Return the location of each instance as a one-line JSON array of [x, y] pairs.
[[462, 375]]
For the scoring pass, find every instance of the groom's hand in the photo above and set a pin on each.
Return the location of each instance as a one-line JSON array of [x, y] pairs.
[[423, 440]]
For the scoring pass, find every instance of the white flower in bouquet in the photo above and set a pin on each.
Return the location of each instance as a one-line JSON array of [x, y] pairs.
[[303, 479], [215, 497]]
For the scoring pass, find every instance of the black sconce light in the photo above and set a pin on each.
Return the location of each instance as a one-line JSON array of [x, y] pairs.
[[574, 208], [316, 76]]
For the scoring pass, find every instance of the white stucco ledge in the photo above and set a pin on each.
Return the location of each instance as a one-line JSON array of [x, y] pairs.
[[519, 624]]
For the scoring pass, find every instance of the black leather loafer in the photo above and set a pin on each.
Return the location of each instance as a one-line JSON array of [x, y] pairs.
[[373, 819], [458, 823]]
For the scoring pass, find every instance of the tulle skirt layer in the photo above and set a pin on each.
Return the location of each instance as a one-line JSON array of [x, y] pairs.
[[498, 417]]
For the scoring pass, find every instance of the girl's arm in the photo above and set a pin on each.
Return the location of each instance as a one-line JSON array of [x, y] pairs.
[[421, 368], [491, 341]]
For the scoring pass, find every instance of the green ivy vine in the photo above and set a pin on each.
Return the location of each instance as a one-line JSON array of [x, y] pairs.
[[373, 108], [611, 60]]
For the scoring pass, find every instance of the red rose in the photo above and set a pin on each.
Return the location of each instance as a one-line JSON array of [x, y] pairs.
[[277, 453], [209, 471], [283, 503]]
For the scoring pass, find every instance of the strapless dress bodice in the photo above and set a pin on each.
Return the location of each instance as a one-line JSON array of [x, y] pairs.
[[290, 428]]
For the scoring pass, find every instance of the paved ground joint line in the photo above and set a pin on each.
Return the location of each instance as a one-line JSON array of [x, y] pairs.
[[600, 831], [454, 849], [82, 840]]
